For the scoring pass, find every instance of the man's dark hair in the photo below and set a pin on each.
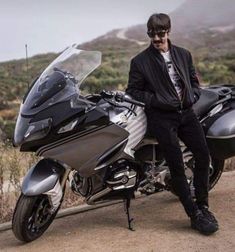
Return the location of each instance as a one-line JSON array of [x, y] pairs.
[[159, 21]]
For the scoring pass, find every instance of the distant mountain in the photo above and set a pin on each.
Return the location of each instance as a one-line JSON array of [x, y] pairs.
[[201, 14], [196, 25]]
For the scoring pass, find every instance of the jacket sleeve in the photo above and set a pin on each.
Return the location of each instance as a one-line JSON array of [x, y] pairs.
[[193, 78], [136, 85]]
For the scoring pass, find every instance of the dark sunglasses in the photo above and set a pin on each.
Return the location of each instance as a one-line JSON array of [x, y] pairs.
[[153, 33]]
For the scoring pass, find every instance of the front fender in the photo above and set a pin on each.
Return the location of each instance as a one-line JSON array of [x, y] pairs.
[[42, 177]]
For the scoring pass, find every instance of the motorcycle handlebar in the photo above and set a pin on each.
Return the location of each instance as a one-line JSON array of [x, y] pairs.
[[127, 99], [119, 97]]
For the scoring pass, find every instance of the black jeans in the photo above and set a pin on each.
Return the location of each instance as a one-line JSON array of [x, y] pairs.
[[167, 127]]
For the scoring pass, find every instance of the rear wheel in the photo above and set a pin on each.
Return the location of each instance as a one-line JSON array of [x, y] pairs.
[[32, 217], [215, 172]]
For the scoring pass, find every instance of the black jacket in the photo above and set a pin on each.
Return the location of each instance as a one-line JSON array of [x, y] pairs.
[[149, 81]]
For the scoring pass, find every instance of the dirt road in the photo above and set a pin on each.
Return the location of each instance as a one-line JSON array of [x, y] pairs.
[[160, 224], [122, 35]]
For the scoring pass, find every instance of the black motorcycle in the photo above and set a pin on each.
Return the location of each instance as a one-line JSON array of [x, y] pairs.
[[99, 143]]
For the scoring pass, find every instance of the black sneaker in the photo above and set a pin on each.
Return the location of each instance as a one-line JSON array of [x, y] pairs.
[[202, 224], [209, 215]]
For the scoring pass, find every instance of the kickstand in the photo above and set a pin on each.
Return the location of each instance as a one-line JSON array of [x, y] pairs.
[[127, 203]]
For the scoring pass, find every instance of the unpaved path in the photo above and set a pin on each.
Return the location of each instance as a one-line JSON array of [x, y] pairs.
[[122, 35], [160, 224]]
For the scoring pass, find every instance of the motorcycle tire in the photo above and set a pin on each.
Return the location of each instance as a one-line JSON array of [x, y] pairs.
[[32, 217], [215, 173]]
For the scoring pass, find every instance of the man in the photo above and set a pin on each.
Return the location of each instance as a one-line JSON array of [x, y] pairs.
[[164, 78]]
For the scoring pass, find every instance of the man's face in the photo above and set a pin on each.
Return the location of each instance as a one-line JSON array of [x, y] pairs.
[[159, 38]]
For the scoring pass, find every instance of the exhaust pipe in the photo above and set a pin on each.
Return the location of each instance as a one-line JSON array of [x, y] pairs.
[[92, 200]]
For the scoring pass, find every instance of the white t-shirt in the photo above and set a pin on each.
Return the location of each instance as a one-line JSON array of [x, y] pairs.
[[175, 78]]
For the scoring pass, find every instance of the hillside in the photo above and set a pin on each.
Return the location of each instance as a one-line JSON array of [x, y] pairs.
[[204, 27], [193, 15]]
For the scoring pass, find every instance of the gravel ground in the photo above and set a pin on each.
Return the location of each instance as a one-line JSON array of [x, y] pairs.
[[160, 225]]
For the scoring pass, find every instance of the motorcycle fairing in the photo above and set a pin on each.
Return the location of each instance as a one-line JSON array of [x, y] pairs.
[[135, 122], [59, 83], [81, 152]]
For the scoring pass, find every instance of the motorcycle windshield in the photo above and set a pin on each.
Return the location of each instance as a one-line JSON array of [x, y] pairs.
[[61, 80]]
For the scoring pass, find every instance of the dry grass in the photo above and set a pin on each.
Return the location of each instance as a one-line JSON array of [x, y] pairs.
[[13, 166], [8, 114]]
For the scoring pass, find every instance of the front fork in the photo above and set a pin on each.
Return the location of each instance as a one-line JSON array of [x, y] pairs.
[[56, 194]]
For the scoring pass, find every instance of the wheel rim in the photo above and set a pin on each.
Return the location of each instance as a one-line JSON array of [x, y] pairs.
[[211, 170], [190, 167], [40, 215]]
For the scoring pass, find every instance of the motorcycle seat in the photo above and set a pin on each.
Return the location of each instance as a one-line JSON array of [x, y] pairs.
[[206, 100]]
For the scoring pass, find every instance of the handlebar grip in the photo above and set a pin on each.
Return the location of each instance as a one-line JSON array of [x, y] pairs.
[[126, 99], [119, 97]]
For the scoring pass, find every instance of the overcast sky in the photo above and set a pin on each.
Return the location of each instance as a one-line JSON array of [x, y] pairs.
[[51, 25]]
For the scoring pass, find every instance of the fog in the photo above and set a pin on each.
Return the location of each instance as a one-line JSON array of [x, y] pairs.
[[51, 25]]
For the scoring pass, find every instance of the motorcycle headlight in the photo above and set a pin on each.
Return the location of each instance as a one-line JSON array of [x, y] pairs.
[[38, 130]]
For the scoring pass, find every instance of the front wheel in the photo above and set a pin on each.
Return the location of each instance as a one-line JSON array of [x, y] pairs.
[[32, 217]]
